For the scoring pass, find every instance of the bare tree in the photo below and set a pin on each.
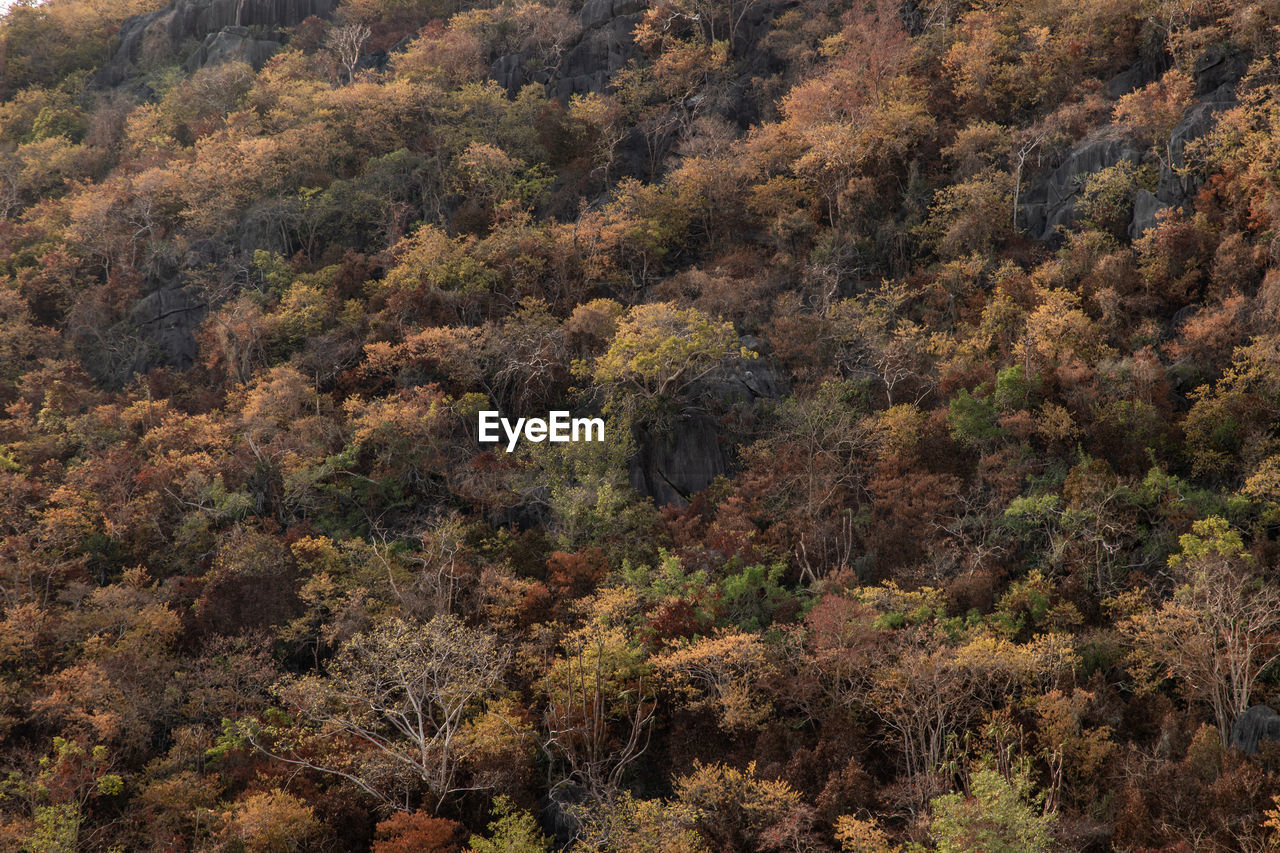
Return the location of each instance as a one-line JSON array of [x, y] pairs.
[[1217, 633], [404, 691], [346, 42], [1020, 157], [598, 720]]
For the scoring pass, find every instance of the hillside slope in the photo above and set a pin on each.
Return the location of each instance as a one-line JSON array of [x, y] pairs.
[[935, 345]]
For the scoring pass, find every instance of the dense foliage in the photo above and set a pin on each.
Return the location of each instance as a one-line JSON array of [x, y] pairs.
[[992, 564]]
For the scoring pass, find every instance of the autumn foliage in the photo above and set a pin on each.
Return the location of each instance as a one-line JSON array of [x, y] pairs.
[[940, 505]]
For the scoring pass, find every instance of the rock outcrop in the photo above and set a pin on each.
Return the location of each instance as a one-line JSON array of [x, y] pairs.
[[162, 35], [676, 462], [602, 49], [605, 45], [1217, 71], [1146, 208], [166, 320], [1049, 201], [232, 44], [1255, 725]]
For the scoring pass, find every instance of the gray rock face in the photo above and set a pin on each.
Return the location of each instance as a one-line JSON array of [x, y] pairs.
[[599, 54], [742, 382], [507, 71], [603, 48], [1217, 71], [232, 44], [1255, 725], [158, 36], [1198, 122], [912, 17], [167, 320], [1145, 208], [1125, 82], [597, 13], [672, 465], [1219, 66], [1050, 202]]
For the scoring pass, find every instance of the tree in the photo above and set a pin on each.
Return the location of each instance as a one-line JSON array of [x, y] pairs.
[[808, 470], [1076, 754], [346, 42], [1217, 633], [1106, 201], [406, 693], [491, 179], [511, 831], [879, 341], [432, 271], [529, 358], [418, 832], [272, 822], [934, 687], [629, 825], [710, 21], [970, 216], [600, 117], [862, 836], [599, 710], [1154, 110], [999, 816], [660, 350], [722, 673], [737, 810]]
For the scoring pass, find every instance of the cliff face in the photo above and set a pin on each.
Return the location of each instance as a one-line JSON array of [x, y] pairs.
[[165, 319], [1050, 198], [602, 49], [160, 35]]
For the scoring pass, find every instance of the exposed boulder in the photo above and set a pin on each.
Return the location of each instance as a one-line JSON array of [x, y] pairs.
[[1217, 67], [166, 321], [1129, 80], [597, 13], [743, 381], [1217, 71], [1153, 60], [232, 44], [1050, 201], [673, 464], [1255, 725], [378, 60], [1199, 120], [600, 53], [604, 46], [508, 72], [1145, 208]]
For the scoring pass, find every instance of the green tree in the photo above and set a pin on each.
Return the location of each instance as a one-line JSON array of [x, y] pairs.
[[999, 816], [512, 830], [659, 351]]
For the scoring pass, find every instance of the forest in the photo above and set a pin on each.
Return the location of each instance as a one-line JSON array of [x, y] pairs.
[[937, 349]]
